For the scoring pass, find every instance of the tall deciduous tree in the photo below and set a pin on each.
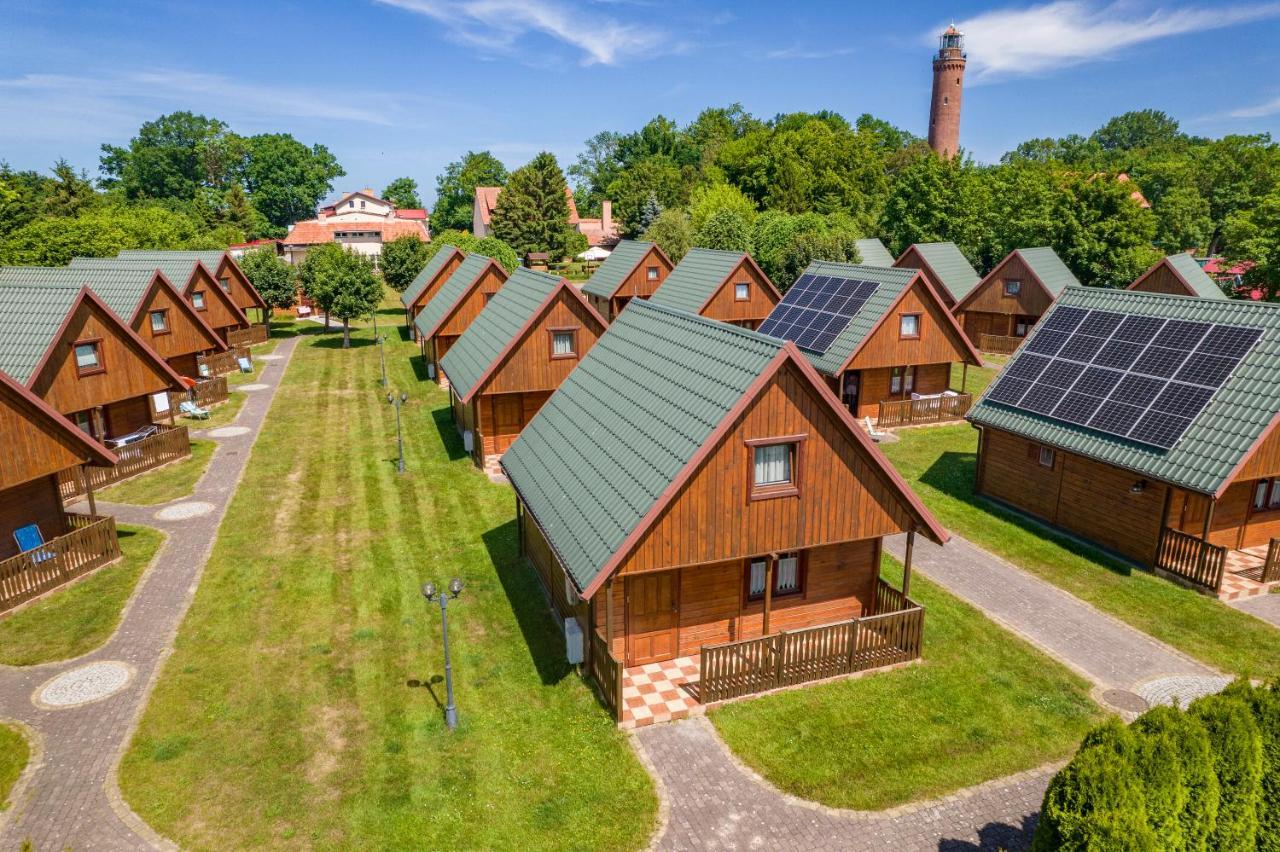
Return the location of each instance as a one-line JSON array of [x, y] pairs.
[[403, 193], [1254, 235], [286, 179], [275, 280], [402, 260], [672, 233], [532, 213], [342, 283], [725, 229], [171, 157], [456, 188]]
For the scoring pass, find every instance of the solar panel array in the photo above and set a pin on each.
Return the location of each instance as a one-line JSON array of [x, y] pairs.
[[1138, 377], [816, 309]]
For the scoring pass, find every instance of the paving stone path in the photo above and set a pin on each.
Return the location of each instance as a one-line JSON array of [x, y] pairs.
[[69, 799], [1266, 607]]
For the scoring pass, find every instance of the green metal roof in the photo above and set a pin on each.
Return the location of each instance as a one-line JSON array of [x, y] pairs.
[[177, 269], [1190, 270], [1217, 440], [1049, 268], [950, 267], [30, 315], [450, 293], [874, 253], [121, 287], [211, 258], [615, 269], [508, 311], [696, 278], [423, 278], [604, 448]]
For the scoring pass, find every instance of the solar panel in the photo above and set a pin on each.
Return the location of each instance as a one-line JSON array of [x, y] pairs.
[[1137, 377], [816, 309]]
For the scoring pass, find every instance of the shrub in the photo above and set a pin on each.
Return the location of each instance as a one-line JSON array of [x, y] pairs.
[[672, 233], [1237, 761], [1264, 703], [402, 259], [725, 229], [1199, 810]]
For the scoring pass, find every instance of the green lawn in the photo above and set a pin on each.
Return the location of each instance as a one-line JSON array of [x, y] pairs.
[[174, 480], [939, 464], [75, 620], [13, 759], [303, 698], [978, 377], [220, 415], [982, 705]]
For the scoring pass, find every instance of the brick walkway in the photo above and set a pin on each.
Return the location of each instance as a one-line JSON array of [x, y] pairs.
[[69, 797], [1266, 607]]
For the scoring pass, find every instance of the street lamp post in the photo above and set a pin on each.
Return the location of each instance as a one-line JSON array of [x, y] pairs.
[[382, 352], [399, 402], [430, 593]]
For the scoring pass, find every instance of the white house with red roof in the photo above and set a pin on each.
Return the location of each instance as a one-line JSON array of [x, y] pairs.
[[358, 220], [602, 231]]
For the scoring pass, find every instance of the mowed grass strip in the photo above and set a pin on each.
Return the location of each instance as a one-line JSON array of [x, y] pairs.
[[76, 619], [302, 704], [219, 415], [939, 463], [983, 704], [174, 480], [14, 754]]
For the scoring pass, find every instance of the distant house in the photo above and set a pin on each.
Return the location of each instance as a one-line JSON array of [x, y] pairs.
[[721, 285], [881, 336], [946, 267], [1230, 273], [513, 356], [359, 221], [874, 253], [239, 250], [1178, 275], [599, 232], [423, 288], [1002, 308], [456, 304], [634, 270]]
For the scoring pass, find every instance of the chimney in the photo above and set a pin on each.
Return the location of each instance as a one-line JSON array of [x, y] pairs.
[[606, 217]]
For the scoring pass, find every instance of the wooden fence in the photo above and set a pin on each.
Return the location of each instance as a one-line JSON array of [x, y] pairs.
[[90, 544], [793, 657], [607, 670], [168, 444], [207, 392], [1271, 568], [934, 409], [221, 363], [999, 344], [251, 336], [1192, 559]]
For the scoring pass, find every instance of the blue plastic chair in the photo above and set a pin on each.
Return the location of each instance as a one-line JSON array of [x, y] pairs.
[[246, 366], [30, 540]]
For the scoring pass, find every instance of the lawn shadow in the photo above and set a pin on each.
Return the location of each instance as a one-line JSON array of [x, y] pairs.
[[419, 364], [449, 436], [529, 603], [335, 341], [996, 836]]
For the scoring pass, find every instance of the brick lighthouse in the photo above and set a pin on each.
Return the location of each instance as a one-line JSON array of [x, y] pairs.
[[948, 87]]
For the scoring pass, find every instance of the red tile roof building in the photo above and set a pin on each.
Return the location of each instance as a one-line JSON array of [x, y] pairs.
[[602, 231], [359, 220]]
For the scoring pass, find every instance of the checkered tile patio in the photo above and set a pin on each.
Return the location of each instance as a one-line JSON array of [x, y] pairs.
[[1243, 573], [660, 692]]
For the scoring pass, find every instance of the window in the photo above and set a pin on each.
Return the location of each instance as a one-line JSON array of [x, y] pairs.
[[902, 380], [88, 357], [197, 300], [84, 422], [945, 100], [1266, 494], [909, 326], [225, 284], [741, 292], [159, 321], [773, 465], [651, 273], [788, 576], [1021, 327], [1012, 288], [564, 343], [362, 204], [1046, 457]]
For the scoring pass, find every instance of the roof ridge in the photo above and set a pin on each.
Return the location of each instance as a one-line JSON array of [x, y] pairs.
[[1148, 295], [710, 323]]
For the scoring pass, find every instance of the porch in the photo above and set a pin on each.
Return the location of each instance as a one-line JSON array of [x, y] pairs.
[[1226, 573], [931, 408], [165, 444], [90, 542], [999, 344], [221, 363], [206, 392], [251, 336]]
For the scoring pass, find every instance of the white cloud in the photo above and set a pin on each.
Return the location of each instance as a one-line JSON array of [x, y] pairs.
[[1262, 110], [807, 53], [1012, 42], [498, 24]]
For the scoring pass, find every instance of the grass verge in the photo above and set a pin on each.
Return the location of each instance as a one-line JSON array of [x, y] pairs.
[[78, 618], [939, 464], [221, 415], [170, 482], [983, 704], [14, 754]]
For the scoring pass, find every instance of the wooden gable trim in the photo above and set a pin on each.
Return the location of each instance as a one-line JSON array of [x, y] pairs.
[[640, 262], [462, 297], [1229, 480], [949, 321], [994, 274], [160, 281], [1164, 262], [427, 288], [55, 421], [222, 295], [523, 332], [745, 259], [229, 264]]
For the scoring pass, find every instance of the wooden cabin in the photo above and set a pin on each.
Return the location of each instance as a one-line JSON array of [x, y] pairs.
[[428, 282], [1178, 275], [634, 270], [997, 314], [41, 545], [728, 286], [226, 271], [873, 252], [455, 306], [691, 492], [883, 339], [1144, 423], [946, 267], [513, 356]]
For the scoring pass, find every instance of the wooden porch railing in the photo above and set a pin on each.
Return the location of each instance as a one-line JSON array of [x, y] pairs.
[[999, 344], [1271, 568], [607, 670], [251, 336], [792, 657], [207, 392], [903, 412], [168, 444], [1190, 558], [90, 544], [221, 363]]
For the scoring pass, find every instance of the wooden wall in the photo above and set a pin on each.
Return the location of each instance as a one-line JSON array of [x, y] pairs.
[[473, 301], [220, 310], [636, 284], [186, 337], [492, 440], [1264, 460], [32, 449], [1161, 279], [712, 518], [1236, 524], [433, 286], [529, 366], [241, 289], [939, 342], [724, 307], [978, 323], [912, 260], [989, 297], [874, 386], [34, 502]]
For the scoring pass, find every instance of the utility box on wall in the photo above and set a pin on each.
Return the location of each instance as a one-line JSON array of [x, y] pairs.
[[573, 641]]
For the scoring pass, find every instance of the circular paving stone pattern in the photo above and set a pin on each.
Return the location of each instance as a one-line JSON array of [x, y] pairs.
[[228, 431], [1125, 701], [183, 511], [1180, 689], [93, 682], [253, 387]]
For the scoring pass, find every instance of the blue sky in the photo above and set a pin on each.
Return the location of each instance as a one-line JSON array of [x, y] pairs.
[[398, 87]]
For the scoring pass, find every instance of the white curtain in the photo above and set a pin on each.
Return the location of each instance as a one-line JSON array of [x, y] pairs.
[[773, 464], [756, 585], [788, 575], [562, 344]]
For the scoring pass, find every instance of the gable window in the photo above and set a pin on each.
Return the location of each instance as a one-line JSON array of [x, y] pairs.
[[1266, 494], [902, 380], [226, 284], [88, 357], [564, 343], [909, 326], [197, 300], [1012, 288], [651, 273], [775, 466], [159, 321], [788, 576], [741, 292], [1046, 457]]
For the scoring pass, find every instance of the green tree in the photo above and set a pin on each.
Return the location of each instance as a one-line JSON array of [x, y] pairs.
[[105, 231], [1254, 235], [672, 233], [402, 259], [1264, 703], [341, 283], [456, 188], [725, 229], [274, 279], [1182, 220], [595, 169], [69, 193], [314, 278], [1146, 128], [532, 213], [937, 200], [653, 177], [807, 246], [285, 179], [172, 157], [490, 247], [706, 199], [1103, 235], [1199, 813], [1237, 761], [649, 213], [403, 193]]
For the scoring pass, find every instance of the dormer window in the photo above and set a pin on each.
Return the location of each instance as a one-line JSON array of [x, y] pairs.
[[88, 355], [225, 283], [775, 467], [909, 326], [197, 300]]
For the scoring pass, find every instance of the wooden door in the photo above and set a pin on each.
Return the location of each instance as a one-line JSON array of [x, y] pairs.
[[653, 611], [508, 419]]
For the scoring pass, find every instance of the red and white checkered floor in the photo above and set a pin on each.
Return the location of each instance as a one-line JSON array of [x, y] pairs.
[[660, 692], [1244, 568]]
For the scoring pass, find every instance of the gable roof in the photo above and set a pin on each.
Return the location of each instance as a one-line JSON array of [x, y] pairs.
[[699, 275], [178, 266], [450, 294], [437, 262], [499, 326], [1218, 440], [211, 258], [616, 267], [122, 287], [1187, 270], [38, 410], [948, 266], [313, 233], [1043, 262], [631, 423], [874, 253]]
